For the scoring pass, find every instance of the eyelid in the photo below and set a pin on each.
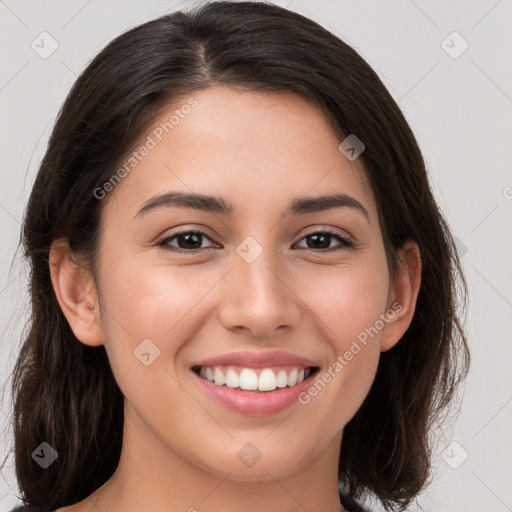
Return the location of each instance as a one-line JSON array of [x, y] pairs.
[[311, 230], [330, 229], [199, 231], [184, 229], [346, 240]]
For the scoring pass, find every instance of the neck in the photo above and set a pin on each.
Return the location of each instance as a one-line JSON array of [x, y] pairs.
[[157, 477]]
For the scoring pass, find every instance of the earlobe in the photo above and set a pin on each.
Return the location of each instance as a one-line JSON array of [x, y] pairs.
[[403, 295], [76, 294]]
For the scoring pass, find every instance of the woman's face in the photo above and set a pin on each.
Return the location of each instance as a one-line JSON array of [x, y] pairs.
[[264, 289]]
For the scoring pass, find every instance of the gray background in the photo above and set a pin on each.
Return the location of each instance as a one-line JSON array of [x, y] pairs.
[[460, 110]]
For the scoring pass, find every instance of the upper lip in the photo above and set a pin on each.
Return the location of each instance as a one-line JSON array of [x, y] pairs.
[[258, 360]]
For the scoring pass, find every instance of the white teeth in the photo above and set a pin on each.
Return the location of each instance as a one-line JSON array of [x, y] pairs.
[[218, 377], [248, 378], [292, 377], [267, 380], [281, 380], [232, 379]]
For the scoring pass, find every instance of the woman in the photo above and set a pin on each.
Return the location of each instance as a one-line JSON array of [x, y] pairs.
[[295, 361]]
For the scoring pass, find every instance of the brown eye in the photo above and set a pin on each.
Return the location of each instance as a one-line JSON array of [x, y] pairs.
[[191, 241], [187, 241], [321, 240]]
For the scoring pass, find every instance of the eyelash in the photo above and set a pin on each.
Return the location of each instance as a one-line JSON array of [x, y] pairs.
[[346, 243]]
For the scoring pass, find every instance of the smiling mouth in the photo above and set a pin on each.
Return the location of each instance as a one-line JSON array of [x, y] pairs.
[[255, 379]]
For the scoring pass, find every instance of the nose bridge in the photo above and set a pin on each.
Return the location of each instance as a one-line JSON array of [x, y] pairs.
[[258, 296], [258, 269], [256, 266]]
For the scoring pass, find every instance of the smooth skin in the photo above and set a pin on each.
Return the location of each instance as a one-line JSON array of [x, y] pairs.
[[258, 150]]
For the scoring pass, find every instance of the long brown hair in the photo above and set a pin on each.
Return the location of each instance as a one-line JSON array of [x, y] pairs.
[[64, 391]]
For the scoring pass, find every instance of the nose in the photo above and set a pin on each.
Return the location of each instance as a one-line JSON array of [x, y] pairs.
[[258, 297]]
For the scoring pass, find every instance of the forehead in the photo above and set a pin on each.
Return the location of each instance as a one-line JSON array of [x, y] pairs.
[[256, 149]]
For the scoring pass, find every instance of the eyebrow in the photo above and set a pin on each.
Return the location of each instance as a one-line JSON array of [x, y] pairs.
[[214, 204]]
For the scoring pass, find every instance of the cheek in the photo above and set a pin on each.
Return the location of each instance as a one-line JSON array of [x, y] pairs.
[[151, 302], [348, 304], [349, 299], [150, 312]]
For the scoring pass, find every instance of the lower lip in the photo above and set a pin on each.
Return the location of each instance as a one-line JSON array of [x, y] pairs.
[[254, 403]]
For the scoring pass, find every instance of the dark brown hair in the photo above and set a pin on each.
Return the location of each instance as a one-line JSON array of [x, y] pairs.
[[64, 391]]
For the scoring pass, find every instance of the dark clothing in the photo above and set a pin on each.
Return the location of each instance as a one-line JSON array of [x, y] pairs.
[[29, 509], [351, 505]]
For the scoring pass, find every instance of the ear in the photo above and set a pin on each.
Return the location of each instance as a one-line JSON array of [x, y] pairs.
[[76, 293], [403, 295]]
